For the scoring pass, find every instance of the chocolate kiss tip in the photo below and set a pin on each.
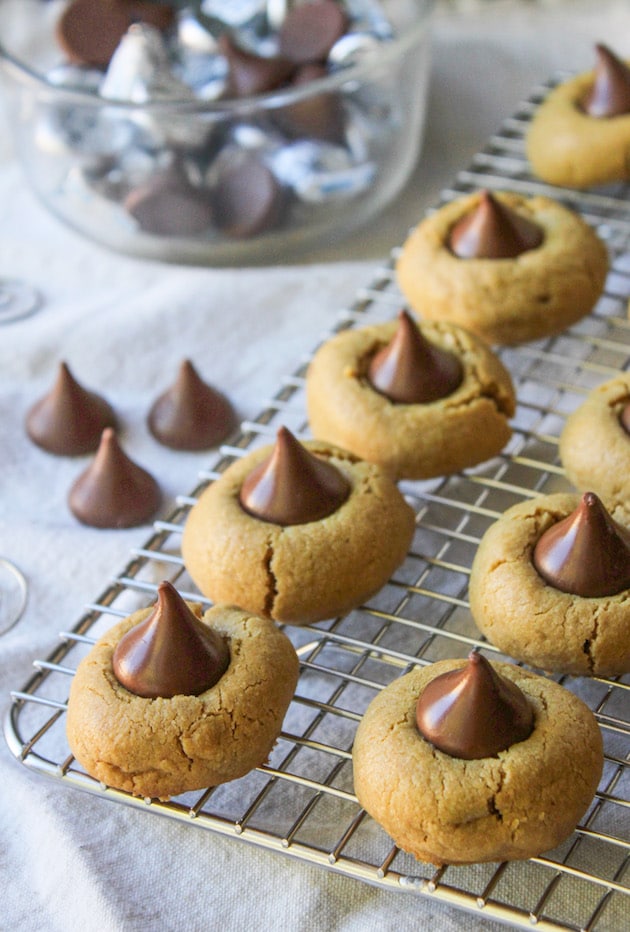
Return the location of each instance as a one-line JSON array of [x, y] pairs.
[[69, 420], [585, 554], [610, 94], [172, 652], [191, 415], [491, 230], [473, 712], [292, 485], [411, 370], [114, 492]]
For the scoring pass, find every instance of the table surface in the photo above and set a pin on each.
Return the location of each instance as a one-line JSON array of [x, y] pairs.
[[123, 326]]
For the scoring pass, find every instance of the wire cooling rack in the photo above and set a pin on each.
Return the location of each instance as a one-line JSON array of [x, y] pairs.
[[302, 802]]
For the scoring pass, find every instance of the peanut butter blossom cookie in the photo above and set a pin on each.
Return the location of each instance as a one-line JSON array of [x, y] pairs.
[[168, 701], [467, 761], [507, 267], [297, 532], [420, 400], [550, 584], [600, 423], [580, 135]]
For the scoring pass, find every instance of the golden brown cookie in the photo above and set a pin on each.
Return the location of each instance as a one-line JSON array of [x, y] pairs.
[[444, 810], [417, 441], [595, 429], [536, 622], [569, 147], [303, 572], [162, 747], [512, 300]]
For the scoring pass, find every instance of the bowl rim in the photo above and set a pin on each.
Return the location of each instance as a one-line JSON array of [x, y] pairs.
[[353, 74]]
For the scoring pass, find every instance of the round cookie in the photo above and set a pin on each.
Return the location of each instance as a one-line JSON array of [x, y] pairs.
[[595, 427], [445, 810], [512, 300], [569, 147], [303, 572], [417, 441], [536, 622], [156, 747]]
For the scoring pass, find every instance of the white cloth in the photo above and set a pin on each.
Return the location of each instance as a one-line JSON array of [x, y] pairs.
[[69, 860]]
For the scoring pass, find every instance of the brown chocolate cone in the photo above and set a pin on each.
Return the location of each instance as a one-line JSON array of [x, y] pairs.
[[586, 553], [250, 74], [69, 420], [247, 199], [113, 492], [411, 369], [292, 486], [473, 712], [624, 418], [171, 653], [191, 415], [310, 30], [320, 116], [89, 31], [493, 231], [610, 94]]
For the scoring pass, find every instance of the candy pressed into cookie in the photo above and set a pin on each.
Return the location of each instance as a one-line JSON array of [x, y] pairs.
[[550, 585], [580, 134], [595, 442], [507, 267], [421, 400], [297, 532], [168, 701], [468, 761]]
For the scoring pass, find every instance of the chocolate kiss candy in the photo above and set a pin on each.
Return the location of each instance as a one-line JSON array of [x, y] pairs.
[[292, 486], [167, 205], [170, 653], [247, 199], [310, 30], [320, 116], [89, 31], [250, 74], [113, 492], [493, 231], [411, 370], [624, 418], [69, 420], [586, 553], [191, 415], [610, 94], [473, 712]]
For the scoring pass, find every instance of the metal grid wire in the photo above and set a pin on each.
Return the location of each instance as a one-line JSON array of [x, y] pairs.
[[302, 802]]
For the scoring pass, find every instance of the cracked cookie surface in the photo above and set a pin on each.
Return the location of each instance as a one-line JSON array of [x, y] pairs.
[[304, 572], [445, 810], [532, 621], [590, 430], [505, 301], [417, 441], [162, 747]]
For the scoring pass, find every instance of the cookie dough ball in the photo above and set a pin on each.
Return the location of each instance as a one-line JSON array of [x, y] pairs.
[[166, 741], [549, 585], [288, 558], [511, 804], [580, 134], [598, 426], [509, 299], [465, 423]]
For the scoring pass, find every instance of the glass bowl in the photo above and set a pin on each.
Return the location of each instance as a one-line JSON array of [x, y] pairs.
[[170, 165]]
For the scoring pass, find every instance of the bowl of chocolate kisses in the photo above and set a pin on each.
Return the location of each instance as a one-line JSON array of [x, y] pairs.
[[216, 132]]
